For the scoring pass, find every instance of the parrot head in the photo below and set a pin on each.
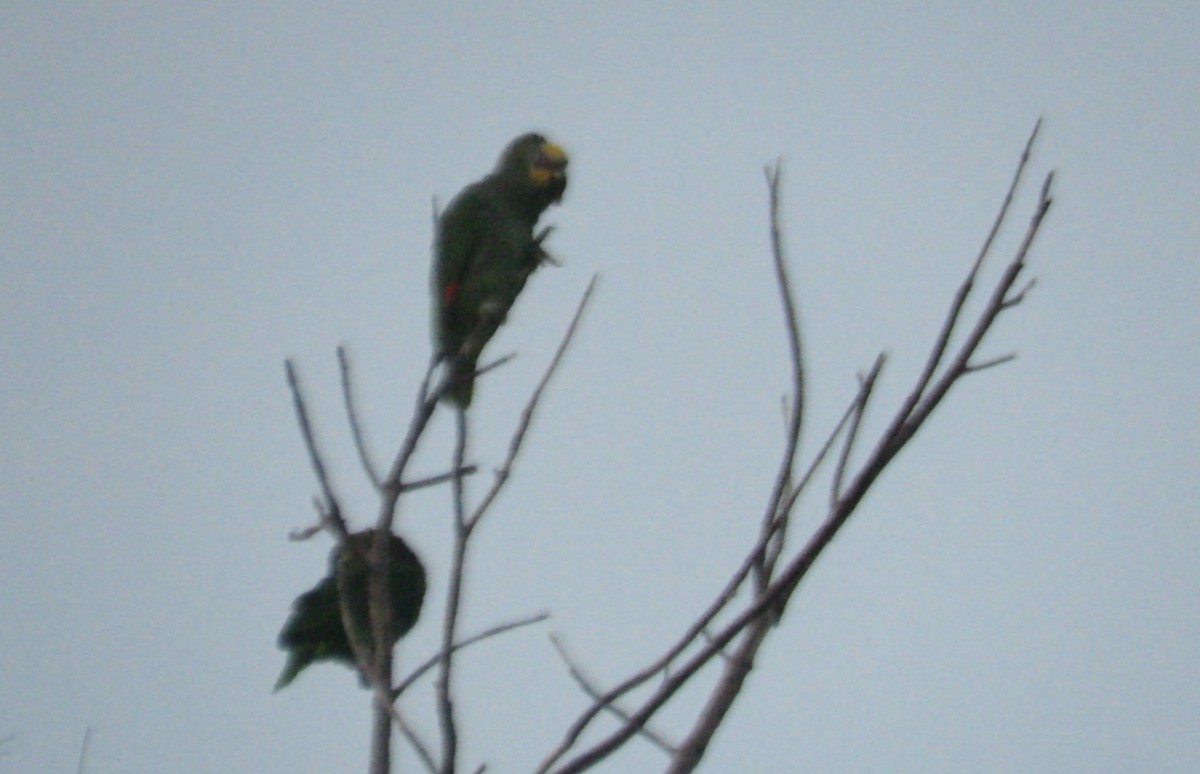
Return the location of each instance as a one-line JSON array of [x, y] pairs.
[[536, 167]]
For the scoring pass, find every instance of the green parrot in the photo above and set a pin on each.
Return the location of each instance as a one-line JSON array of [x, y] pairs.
[[314, 631], [485, 250]]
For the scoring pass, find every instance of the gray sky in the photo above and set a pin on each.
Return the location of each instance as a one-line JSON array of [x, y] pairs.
[[192, 194]]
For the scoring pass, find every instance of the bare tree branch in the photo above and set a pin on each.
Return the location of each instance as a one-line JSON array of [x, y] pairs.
[[964, 290], [750, 626], [736, 670], [465, 525], [445, 699], [83, 750], [492, 366], [773, 519], [991, 363], [440, 478], [865, 387], [377, 672], [518, 436], [352, 417], [772, 516], [923, 406], [822, 454], [435, 659], [595, 694], [421, 748], [775, 531], [331, 510], [427, 403]]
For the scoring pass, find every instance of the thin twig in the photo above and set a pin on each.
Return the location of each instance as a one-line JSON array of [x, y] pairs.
[[435, 659], [772, 514], [427, 402], [643, 675], [83, 750], [751, 621], [518, 436], [440, 478], [822, 453], [379, 601], [590, 689], [445, 698], [1019, 296], [776, 532], [464, 526], [697, 628], [997, 303], [775, 519], [410, 735], [492, 366], [331, 510], [866, 385], [991, 363], [964, 290], [352, 417]]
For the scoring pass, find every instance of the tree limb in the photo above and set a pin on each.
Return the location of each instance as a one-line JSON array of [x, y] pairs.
[[435, 659], [352, 417], [773, 593]]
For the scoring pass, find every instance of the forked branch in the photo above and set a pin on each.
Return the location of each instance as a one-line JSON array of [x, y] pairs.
[[776, 576]]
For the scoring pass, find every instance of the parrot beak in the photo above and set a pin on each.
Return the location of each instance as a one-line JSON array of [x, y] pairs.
[[550, 167], [552, 155]]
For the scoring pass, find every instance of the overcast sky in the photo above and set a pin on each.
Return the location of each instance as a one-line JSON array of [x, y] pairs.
[[190, 193]]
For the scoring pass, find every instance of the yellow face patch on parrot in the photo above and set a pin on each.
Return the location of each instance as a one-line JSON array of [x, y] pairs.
[[550, 164]]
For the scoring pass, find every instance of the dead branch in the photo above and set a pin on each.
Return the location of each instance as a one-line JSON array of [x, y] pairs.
[[750, 627], [435, 659], [464, 527], [589, 687], [352, 417], [518, 437], [330, 509], [445, 701]]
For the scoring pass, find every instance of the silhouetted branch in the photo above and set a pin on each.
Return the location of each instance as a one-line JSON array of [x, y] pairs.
[[352, 417], [748, 629], [859, 409], [964, 290], [445, 699], [595, 694], [440, 478], [518, 437], [331, 511], [464, 527], [83, 750], [434, 660]]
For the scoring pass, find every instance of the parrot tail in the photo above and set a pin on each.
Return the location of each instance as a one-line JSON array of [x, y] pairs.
[[460, 380]]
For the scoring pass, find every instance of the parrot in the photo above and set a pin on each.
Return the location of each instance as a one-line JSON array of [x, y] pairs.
[[314, 631], [485, 250]]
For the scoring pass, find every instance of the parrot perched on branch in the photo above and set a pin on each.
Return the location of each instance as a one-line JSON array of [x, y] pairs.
[[486, 249], [314, 631]]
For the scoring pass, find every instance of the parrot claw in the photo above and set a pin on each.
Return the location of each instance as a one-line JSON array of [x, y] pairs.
[[542, 236], [540, 254]]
